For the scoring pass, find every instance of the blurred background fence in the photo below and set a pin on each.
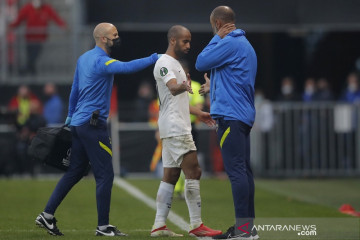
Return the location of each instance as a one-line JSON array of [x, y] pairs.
[[299, 140], [287, 140]]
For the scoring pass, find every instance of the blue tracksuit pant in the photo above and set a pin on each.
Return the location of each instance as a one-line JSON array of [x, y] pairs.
[[234, 139], [89, 143]]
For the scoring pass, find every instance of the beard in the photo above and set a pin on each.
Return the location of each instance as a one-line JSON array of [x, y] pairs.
[[180, 53]]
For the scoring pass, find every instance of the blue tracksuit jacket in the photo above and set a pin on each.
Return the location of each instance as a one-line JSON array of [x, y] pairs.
[[233, 64], [93, 81]]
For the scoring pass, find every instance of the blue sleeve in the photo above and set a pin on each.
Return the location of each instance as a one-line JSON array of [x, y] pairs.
[[217, 53], [74, 94], [112, 66]]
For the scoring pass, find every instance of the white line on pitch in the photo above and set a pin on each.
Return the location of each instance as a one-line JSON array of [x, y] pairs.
[[135, 192]]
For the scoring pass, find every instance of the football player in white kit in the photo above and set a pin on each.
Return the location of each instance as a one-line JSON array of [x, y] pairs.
[[179, 151]]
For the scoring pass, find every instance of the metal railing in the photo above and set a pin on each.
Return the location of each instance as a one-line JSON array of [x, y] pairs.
[[287, 140], [318, 139]]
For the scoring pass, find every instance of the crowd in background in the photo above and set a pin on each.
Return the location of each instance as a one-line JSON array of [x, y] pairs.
[[32, 112], [319, 90], [28, 112], [313, 91]]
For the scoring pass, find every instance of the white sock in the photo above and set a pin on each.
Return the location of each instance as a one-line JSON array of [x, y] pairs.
[[48, 216], [103, 227], [193, 201], [163, 203]]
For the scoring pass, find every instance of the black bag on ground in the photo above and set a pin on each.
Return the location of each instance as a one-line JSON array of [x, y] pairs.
[[52, 146]]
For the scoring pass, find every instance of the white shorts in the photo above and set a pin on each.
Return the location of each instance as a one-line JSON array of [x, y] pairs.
[[174, 148]]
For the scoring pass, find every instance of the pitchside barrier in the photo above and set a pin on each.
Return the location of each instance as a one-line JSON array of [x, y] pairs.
[[306, 139], [287, 140]]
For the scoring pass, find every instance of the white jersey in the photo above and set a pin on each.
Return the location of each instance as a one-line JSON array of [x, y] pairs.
[[174, 116]]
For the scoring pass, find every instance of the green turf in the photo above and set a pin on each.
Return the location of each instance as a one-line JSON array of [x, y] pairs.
[[274, 208], [328, 192], [281, 202]]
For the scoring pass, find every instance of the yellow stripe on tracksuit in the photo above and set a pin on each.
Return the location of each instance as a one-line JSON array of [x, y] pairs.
[[106, 148], [110, 61], [226, 133]]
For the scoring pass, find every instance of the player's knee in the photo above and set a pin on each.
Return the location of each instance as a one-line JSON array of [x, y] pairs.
[[171, 176], [198, 173], [174, 177], [193, 173]]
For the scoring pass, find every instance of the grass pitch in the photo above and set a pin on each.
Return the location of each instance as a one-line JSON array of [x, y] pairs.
[[278, 202]]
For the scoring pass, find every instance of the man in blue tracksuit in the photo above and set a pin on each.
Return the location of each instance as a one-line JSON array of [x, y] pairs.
[[88, 110], [233, 63]]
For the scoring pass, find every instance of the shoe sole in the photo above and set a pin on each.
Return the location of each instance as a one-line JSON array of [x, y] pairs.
[[170, 236], [202, 236], [99, 233], [158, 234], [41, 225]]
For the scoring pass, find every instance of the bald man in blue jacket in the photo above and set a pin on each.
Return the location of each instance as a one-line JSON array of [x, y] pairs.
[[88, 110], [233, 64]]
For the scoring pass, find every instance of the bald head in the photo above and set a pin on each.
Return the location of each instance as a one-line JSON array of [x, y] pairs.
[[179, 39], [224, 14], [177, 31], [106, 36], [102, 30]]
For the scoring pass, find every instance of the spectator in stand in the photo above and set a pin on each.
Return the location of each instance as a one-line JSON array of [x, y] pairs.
[[154, 112], [37, 15], [144, 99], [352, 92], [10, 13], [264, 111], [350, 95], [20, 104], [264, 122], [155, 164], [288, 91], [323, 92], [53, 107], [24, 164], [35, 120], [309, 90]]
